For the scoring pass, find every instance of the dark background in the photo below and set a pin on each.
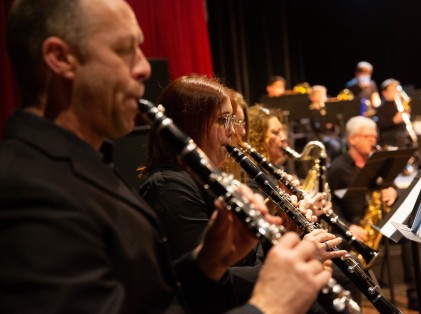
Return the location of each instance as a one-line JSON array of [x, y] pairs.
[[316, 41], [319, 42]]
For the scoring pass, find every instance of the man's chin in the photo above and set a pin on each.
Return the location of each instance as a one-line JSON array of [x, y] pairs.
[[123, 130]]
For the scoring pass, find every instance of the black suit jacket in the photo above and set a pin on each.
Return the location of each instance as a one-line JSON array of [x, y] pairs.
[[74, 238]]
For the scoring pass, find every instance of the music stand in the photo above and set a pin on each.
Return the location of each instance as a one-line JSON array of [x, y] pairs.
[[380, 170], [402, 209], [412, 232]]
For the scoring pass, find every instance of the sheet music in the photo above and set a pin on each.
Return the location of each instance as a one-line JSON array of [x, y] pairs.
[[340, 193], [401, 213], [406, 232]]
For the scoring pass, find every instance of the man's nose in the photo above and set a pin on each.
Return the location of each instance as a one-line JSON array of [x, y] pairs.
[[141, 69]]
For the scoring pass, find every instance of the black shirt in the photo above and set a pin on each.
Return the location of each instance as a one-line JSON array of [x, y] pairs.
[[340, 175]]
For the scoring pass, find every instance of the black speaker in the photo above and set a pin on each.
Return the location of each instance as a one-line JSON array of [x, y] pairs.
[[158, 80], [154, 85], [130, 153]]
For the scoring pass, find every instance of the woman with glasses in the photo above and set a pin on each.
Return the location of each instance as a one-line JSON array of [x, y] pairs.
[[202, 108]]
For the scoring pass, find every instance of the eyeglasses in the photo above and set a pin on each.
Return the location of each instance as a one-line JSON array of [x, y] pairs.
[[240, 123], [228, 121], [368, 136]]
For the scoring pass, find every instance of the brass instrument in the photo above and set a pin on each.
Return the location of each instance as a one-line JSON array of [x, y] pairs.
[[345, 94], [313, 181], [402, 100], [306, 153], [405, 98], [373, 215], [302, 88]]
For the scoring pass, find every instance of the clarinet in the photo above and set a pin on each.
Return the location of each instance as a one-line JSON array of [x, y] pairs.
[[331, 218], [283, 200], [225, 189]]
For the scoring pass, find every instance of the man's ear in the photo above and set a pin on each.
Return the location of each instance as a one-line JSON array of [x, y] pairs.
[[58, 57], [351, 140]]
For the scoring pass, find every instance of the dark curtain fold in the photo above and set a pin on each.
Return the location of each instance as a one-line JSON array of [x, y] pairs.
[[250, 42]]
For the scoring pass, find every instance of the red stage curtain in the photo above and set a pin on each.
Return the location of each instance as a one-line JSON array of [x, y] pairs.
[[177, 31], [8, 93], [173, 29]]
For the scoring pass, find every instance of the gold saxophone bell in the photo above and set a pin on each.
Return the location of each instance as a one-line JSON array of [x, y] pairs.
[[313, 150], [345, 94], [372, 217]]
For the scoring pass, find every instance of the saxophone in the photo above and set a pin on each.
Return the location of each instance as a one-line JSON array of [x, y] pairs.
[[372, 217], [315, 180]]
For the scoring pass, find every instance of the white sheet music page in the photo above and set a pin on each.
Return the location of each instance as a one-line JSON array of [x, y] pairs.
[[406, 232], [402, 212]]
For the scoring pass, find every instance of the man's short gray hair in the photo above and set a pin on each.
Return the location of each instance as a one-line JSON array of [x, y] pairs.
[[355, 124]]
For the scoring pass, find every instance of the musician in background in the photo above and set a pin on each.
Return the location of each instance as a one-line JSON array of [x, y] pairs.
[[393, 131], [241, 131], [241, 122], [390, 121], [324, 131], [268, 135], [363, 87], [275, 87], [362, 138]]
